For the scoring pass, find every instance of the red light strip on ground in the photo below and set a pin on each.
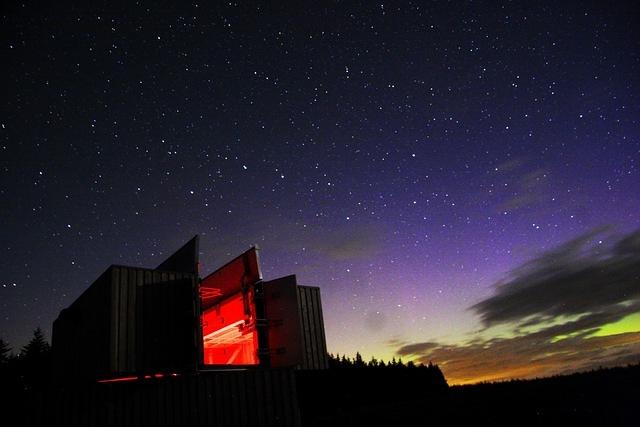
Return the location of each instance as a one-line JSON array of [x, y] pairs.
[[146, 377], [117, 380]]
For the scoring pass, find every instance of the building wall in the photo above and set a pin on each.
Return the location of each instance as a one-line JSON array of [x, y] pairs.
[[130, 320], [80, 335], [135, 321], [258, 397], [314, 344], [153, 321]]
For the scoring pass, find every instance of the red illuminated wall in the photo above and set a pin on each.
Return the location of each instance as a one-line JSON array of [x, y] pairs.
[[229, 333], [228, 312]]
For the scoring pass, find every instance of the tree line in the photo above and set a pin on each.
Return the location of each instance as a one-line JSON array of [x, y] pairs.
[[344, 362], [30, 368]]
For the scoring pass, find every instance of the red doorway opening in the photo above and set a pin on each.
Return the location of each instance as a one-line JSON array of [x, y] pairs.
[[228, 313]]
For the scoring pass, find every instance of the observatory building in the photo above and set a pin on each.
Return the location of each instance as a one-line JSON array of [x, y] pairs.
[[135, 322]]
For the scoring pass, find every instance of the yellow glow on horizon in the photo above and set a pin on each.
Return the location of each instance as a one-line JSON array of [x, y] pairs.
[[506, 375]]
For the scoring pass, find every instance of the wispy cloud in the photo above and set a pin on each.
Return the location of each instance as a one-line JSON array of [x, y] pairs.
[[358, 241], [513, 185], [324, 245], [554, 306], [528, 188]]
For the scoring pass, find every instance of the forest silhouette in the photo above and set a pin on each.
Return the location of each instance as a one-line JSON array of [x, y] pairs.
[[355, 392]]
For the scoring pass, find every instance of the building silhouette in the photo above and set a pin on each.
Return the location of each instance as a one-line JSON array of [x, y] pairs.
[[134, 323]]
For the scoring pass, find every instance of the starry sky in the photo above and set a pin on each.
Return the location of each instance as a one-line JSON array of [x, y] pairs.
[[461, 178]]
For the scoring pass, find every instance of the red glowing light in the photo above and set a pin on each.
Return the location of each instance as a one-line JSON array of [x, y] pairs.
[[233, 277], [117, 380], [229, 333], [134, 378], [228, 312]]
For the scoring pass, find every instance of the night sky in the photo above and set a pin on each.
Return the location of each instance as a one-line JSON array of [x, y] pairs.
[[461, 179]]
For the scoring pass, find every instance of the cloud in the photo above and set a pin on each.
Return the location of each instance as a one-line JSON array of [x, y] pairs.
[[358, 241], [337, 243], [525, 356], [343, 242], [554, 305], [579, 277], [516, 184], [417, 348], [529, 188]]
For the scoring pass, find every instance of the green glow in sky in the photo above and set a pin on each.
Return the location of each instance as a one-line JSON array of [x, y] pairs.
[[630, 323]]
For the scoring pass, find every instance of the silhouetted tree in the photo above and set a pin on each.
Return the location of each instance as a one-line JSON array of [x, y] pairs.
[[4, 351], [34, 362], [37, 347], [334, 361], [373, 363], [359, 363], [344, 362]]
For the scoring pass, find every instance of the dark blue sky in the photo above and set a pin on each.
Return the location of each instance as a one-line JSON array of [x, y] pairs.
[[404, 157]]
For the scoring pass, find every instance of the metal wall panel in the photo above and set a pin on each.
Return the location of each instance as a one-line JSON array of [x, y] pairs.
[[264, 397], [159, 307], [184, 259], [282, 314], [129, 321], [81, 334], [314, 345]]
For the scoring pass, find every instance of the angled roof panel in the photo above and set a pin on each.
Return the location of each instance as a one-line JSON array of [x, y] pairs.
[[232, 277], [184, 259]]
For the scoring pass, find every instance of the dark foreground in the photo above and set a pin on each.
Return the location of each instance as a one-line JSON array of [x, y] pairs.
[[334, 397], [608, 397]]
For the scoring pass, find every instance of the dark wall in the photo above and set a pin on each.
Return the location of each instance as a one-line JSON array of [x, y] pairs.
[[184, 259], [80, 336], [129, 321], [153, 321], [314, 343], [238, 398]]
